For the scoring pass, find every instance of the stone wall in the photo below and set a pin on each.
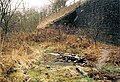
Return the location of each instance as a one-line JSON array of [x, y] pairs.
[[101, 18], [98, 19]]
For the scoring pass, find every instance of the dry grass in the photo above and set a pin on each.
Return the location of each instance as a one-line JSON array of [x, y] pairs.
[[24, 51], [16, 54]]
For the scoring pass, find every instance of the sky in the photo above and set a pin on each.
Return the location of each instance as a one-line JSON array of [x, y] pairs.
[[39, 3], [30, 3], [36, 3]]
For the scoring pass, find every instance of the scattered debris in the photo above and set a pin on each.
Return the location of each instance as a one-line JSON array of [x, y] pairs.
[[74, 58], [81, 71]]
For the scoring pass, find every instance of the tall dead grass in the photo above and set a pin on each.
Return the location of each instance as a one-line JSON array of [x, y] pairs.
[[18, 51], [15, 54]]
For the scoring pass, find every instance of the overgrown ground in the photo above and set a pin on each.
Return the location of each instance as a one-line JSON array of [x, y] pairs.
[[25, 58]]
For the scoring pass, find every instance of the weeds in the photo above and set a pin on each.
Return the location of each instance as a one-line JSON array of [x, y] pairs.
[[112, 69], [89, 79], [24, 52]]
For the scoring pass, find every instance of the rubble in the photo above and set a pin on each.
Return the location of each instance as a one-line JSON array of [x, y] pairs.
[[73, 58]]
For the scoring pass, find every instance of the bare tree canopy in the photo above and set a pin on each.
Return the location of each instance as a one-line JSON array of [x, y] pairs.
[[6, 13], [57, 4]]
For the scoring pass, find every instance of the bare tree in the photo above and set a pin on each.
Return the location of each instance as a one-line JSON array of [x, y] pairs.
[[57, 4], [6, 13]]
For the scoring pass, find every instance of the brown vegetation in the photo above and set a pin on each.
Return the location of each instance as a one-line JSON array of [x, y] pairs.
[[21, 50]]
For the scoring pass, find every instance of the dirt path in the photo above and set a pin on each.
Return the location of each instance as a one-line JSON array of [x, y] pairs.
[[104, 55]]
